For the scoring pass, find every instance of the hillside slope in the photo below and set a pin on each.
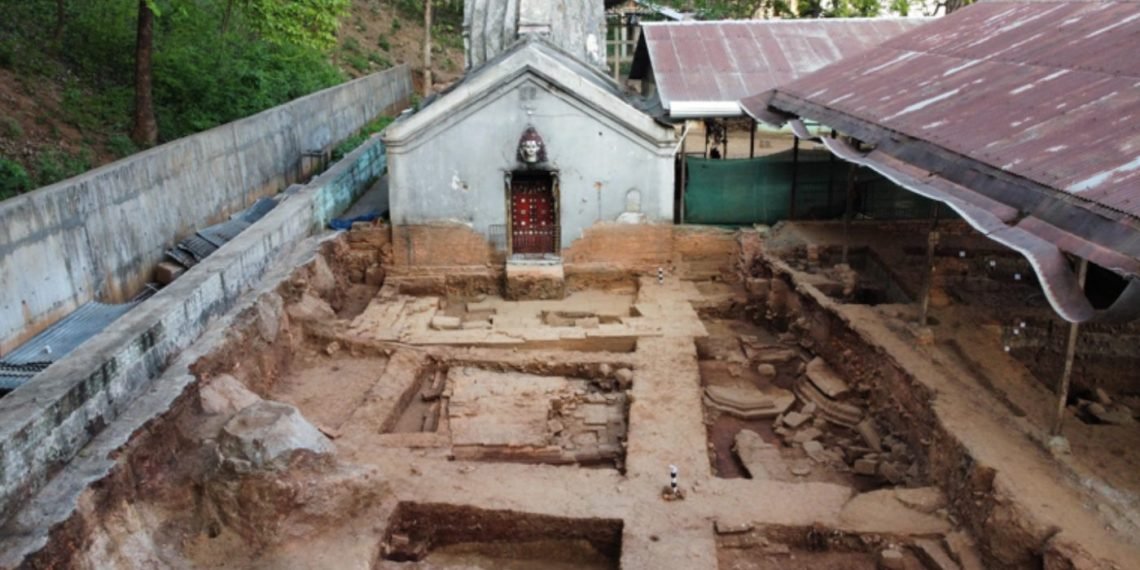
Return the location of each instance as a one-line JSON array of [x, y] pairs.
[[56, 121]]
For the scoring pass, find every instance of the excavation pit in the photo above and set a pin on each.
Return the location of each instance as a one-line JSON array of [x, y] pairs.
[[452, 536], [814, 548], [518, 417]]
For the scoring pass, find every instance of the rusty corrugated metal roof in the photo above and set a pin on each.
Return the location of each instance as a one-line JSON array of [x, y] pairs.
[[1047, 91], [1020, 114], [725, 61]]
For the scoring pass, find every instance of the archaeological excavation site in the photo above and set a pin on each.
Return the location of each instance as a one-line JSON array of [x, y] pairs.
[[553, 317]]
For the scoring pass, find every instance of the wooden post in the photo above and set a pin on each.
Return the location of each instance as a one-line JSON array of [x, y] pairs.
[[931, 245], [752, 141], [724, 123], [795, 174], [847, 212], [1070, 354], [684, 166]]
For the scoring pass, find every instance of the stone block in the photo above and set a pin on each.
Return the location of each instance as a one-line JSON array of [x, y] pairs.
[[587, 323], [476, 325], [826, 379], [624, 377], [795, 419], [865, 467], [310, 308], [933, 556], [445, 323], [321, 277], [766, 371], [266, 434], [806, 435], [166, 272], [892, 559], [815, 451], [225, 394]]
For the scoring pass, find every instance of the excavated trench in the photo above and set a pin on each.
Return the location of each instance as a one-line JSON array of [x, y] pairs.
[[819, 548], [177, 499], [446, 536]]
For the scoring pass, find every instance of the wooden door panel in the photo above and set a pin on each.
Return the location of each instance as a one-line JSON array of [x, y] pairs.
[[534, 226]]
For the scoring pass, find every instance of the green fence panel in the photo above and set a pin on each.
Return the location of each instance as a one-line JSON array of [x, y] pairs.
[[758, 190]]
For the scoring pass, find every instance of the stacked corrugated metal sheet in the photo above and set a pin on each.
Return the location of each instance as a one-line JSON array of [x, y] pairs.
[[32, 357]]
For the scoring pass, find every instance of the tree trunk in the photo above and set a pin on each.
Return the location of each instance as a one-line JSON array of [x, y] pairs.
[[60, 18], [144, 130], [427, 48]]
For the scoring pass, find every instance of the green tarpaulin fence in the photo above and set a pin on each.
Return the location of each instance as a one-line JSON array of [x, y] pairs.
[[758, 190]]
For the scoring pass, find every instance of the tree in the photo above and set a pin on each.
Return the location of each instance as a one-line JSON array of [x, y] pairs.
[[144, 127], [307, 23], [427, 48]]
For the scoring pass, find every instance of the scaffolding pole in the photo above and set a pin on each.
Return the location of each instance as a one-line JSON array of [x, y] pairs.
[[1070, 354], [931, 245], [795, 174], [847, 212]]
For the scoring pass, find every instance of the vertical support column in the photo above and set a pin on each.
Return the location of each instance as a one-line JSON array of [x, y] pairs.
[[623, 32], [847, 211], [830, 178], [1070, 354], [931, 245], [724, 123], [795, 175], [752, 140], [684, 167]]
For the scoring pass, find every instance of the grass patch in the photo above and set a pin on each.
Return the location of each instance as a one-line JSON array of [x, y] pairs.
[[350, 144]]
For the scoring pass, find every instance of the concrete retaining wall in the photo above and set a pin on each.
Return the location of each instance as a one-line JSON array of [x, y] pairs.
[[45, 422], [97, 236]]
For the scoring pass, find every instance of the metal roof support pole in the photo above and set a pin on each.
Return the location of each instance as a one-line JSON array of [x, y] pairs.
[[752, 140], [725, 124], [847, 211], [684, 167], [931, 245], [795, 175], [1070, 353]]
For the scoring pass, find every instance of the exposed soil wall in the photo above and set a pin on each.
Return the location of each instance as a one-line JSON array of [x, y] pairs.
[[1009, 538]]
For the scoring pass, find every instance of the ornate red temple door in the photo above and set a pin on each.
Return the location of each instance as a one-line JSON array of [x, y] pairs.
[[534, 214]]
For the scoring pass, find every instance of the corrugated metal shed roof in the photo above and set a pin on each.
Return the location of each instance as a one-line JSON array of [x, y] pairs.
[[726, 61], [1047, 91]]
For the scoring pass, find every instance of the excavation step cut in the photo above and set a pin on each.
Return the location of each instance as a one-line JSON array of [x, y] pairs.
[[824, 378]]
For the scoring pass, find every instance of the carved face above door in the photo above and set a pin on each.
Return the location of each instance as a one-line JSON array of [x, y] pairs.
[[532, 150]]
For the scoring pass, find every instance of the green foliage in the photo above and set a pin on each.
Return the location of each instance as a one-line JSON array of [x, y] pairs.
[[55, 165], [350, 144], [356, 61], [13, 178], [383, 43], [395, 24], [7, 53], [304, 23], [10, 128], [121, 145]]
